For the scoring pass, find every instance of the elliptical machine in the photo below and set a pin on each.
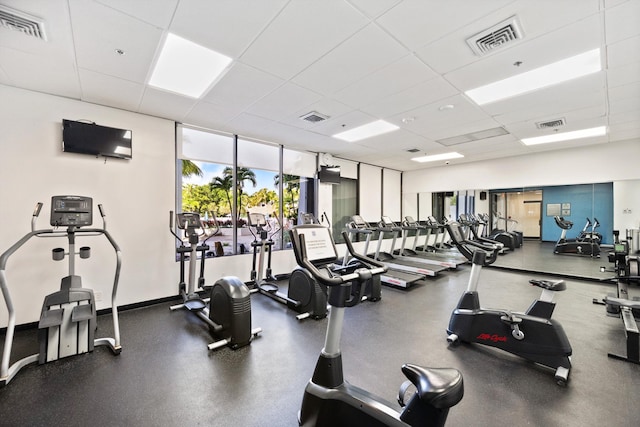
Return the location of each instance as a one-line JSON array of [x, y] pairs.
[[304, 295], [68, 317], [227, 311], [532, 335], [328, 399], [574, 247]]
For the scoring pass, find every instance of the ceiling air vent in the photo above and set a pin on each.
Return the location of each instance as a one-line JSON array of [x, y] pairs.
[[314, 117], [473, 136], [20, 21], [551, 124], [496, 37]]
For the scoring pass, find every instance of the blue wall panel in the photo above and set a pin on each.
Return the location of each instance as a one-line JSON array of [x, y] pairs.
[[587, 201]]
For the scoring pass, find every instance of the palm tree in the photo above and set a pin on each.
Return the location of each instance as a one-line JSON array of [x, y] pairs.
[[288, 181], [189, 169], [290, 193], [242, 175], [225, 184]]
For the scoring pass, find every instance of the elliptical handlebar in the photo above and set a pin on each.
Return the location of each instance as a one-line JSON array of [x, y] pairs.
[[36, 213]]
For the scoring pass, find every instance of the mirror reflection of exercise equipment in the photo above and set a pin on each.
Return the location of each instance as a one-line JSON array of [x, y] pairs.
[[68, 318], [304, 294], [227, 310], [579, 246]]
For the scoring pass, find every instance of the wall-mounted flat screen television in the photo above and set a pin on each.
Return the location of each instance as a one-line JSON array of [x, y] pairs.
[[96, 140], [329, 174]]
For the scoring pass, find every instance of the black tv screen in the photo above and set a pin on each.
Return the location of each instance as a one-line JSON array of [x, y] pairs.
[[329, 174], [96, 140]]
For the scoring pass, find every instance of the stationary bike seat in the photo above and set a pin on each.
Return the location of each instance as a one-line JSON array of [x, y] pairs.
[[552, 285], [439, 387]]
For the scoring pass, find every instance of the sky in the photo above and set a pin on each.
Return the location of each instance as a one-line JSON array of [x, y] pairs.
[[210, 170]]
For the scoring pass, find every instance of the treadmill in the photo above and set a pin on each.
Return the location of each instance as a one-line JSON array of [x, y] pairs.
[[392, 277], [385, 226], [448, 260]]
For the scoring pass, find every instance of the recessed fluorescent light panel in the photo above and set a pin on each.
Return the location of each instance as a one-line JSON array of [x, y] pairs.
[[566, 136], [187, 68], [436, 157], [366, 131], [558, 72]]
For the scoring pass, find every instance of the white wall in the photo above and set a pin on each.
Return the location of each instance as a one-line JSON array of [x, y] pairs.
[[613, 162], [626, 205], [595, 163], [136, 195]]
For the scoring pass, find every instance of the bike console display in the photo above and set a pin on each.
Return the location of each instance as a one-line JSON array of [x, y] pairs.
[[67, 211]]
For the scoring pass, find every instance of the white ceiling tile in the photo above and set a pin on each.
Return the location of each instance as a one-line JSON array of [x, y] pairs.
[[409, 99], [326, 106], [390, 70], [159, 15], [119, 93], [429, 118], [373, 8], [624, 75], [417, 22], [369, 50], [303, 32], [241, 86], [165, 104], [583, 36], [283, 101], [26, 71], [228, 27], [623, 52], [624, 117], [98, 31], [452, 52], [396, 77], [210, 116], [631, 90], [622, 21], [343, 122], [622, 105]]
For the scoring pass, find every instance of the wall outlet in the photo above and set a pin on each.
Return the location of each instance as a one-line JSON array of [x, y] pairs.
[[97, 295]]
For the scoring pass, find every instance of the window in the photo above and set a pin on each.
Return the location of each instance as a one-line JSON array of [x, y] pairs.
[[223, 177]]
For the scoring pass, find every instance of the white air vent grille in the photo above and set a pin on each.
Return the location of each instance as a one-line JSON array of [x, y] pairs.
[[20, 21], [498, 36], [473, 136], [314, 117], [551, 124]]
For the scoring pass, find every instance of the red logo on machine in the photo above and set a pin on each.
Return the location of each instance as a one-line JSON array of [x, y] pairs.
[[492, 338]]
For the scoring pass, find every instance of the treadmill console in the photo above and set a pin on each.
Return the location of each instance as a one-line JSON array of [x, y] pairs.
[[68, 211]]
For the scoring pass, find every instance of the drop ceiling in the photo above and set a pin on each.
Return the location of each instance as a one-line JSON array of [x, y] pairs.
[[352, 61]]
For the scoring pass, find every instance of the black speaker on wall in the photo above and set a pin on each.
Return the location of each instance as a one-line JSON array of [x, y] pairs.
[[483, 195]]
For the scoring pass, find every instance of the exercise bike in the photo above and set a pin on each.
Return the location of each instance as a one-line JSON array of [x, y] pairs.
[[328, 399], [227, 310], [304, 295], [68, 317], [575, 247], [532, 335]]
